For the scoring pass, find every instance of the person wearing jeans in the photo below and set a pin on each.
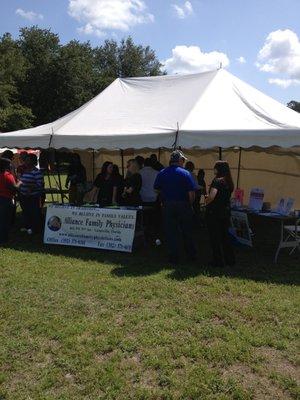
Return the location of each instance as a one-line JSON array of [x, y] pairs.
[[31, 191], [177, 189]]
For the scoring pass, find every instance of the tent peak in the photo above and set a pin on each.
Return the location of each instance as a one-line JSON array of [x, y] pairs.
[[172, 76]]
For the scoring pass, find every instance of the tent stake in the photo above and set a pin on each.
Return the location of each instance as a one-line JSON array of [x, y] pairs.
[[239, 169]]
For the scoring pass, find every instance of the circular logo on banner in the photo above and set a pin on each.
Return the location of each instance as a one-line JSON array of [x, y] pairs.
[[54, 223]]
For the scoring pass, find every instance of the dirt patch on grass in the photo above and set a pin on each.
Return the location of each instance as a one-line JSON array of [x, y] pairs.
[[260, 387], [275, 361]]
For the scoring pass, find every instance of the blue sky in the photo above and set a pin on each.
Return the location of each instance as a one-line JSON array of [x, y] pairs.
[[257, 40]]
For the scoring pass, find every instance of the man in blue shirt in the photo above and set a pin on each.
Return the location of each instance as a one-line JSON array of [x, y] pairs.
[[177, 189]]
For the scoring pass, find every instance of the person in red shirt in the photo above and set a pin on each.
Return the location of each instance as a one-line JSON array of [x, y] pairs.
[[8, 188]]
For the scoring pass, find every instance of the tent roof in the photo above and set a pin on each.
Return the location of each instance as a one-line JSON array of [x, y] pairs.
[[201, 110]]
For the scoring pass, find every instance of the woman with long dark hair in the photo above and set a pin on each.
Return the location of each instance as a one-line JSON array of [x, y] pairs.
[[107, 185], [218, 215]]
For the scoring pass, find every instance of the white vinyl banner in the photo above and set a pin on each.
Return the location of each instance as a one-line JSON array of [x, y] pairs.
[[99, 228]]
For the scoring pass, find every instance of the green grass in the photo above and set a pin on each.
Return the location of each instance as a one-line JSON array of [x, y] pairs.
[[84, 324]]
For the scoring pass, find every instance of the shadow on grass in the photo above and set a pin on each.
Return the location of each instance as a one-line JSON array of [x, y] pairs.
[[253, 264]]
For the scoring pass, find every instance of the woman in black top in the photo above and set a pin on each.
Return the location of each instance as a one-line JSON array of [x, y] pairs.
[[107, 186], [218, 215], [132, 185]]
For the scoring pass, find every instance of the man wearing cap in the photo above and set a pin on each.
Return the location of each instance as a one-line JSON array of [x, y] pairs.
[[177, 189]]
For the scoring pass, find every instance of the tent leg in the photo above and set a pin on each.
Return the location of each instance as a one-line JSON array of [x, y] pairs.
[[48, 176], [220, 153], [239, 169], [93, 155], [122, 161], [59, 179]]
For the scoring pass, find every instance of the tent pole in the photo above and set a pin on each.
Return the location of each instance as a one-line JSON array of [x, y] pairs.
[[59, 178], [48, 176], [176, 138], [239, 169], [93, 156], [220, 153], [122, 160]]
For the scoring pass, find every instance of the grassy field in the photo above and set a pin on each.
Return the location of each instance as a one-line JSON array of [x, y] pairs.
[[83, 324]]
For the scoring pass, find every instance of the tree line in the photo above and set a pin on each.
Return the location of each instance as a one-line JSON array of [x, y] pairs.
[[42, 79]]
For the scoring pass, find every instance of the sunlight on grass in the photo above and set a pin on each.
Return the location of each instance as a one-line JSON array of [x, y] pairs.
[[83, 324]]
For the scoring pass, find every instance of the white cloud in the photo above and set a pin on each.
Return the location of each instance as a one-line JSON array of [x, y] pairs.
[[280, 55], [241, 60], [191, 59], [183, 11], [284, 83], [30, 15], [99, 16]]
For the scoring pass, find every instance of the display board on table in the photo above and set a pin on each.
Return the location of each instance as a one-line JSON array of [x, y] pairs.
[[99, 228], [240, 225]]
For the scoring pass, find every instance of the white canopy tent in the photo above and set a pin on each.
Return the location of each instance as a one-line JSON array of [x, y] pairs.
[[193, 111], [197, 112]]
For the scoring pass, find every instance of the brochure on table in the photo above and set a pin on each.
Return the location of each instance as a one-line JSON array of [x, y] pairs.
[[93, 227], [285, 206]]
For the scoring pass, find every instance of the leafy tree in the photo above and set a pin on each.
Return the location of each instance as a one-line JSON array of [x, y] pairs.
[[294, 105], [12, 71], [41, 48], [74, 78], [15, 117], [125, 60]]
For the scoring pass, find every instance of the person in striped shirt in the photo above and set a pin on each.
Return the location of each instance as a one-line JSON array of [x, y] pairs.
[[31, 191]]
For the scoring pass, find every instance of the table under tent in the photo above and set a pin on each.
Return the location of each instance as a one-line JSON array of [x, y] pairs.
[[209, 116]]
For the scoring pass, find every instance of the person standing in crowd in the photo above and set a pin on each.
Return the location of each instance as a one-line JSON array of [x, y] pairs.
[[76, 180], [8, 188], [177, 189], [149, 199], [9, 155], [132, 185], [107, 185], [140, 160], [31, 191], [218, 215], [155, 163], [201, 183], [119, 182], [201, 191], [190, 166], [148, 174], [21, 168]]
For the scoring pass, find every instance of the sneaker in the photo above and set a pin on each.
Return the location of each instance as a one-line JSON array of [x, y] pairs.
[[29, 231]]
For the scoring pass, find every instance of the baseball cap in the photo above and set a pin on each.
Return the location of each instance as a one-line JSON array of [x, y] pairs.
[[177, 155]]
